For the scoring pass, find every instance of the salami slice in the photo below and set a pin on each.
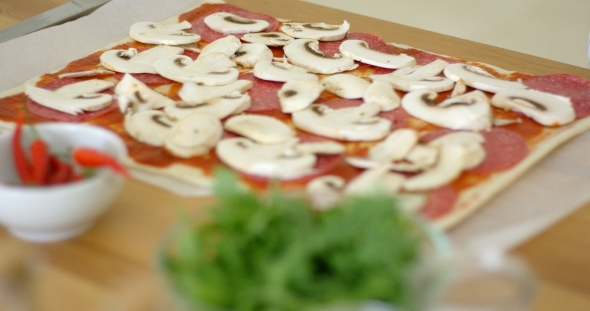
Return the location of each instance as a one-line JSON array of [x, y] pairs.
[[568, 85], [399, 117], [439, 202], [51, 114], [424, 58], [264, 94], [209, 35]]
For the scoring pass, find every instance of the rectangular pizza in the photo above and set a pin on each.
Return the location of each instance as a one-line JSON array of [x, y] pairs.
[[327, 111]]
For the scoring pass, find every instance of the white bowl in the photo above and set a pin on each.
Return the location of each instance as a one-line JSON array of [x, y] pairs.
[[53, 213]]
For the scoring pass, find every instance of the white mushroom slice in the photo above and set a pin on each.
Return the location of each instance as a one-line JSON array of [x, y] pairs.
[[325, 192], [382, 93], [281, 72], [419, 72], [346, 85], [86, 73], [135, 95], [410, 202], [249, 54], [234, 24], [195, 94], [545, 108], [459, 89], [419, 158], [324, 147], [129, 61], [470, 141], [155, 33], [316, 31], [66, 103], [212, 62], [299, 94], [413, 78], [182, 69], [220, 107], [359, 50], [448, 167], [504, 122], [268, 38], [227, 45], [378, 180], [150, 126], [305, 53], [478, 78], [84, 88], [194, 135], [395, 146], [261, 129], [273, 161], [470, 111], [351, 124]]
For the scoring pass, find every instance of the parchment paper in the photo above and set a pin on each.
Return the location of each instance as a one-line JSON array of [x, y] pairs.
[[551, 190]]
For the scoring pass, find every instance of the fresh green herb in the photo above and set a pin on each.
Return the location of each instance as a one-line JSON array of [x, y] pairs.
[[275, 253]]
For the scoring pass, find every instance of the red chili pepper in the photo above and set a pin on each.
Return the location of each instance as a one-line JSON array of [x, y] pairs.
[[61, 172], [40, 161], [21, 162], [89, 157]]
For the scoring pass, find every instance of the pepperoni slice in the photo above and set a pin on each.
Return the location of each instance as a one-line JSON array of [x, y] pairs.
[[51, 114], [264, 94], [504, 149], [439, 202], [424, 58], [209, 35], [339, 103], [568, 85], [399, 117]]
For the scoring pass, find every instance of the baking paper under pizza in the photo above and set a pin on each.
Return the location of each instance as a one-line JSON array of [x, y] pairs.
[[326, 111]]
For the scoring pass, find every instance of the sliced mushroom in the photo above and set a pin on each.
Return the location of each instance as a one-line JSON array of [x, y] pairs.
[[316, 31], [72, 100], [281, 72], [85, 73], [130, 61], [229, 23], [220, 107], [195, 94], [470, 111], [268, 38], [305, 53], [459, 89], [546, 109], [478, 78], [395, 146], [351, 124], [149, 126], [359, 50], [227, 45], [299, 94], [470, 141], [448, 167], [135, 95], [261, 129], [346, 85], [417, 77], [194, 135], [182, 69], [273, 161], [155, 33], [382, 93], [249, 54], [378, 180], [325, 192], [421, 157]]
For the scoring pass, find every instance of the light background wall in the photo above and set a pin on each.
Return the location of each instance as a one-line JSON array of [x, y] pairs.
[[553, 29]]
